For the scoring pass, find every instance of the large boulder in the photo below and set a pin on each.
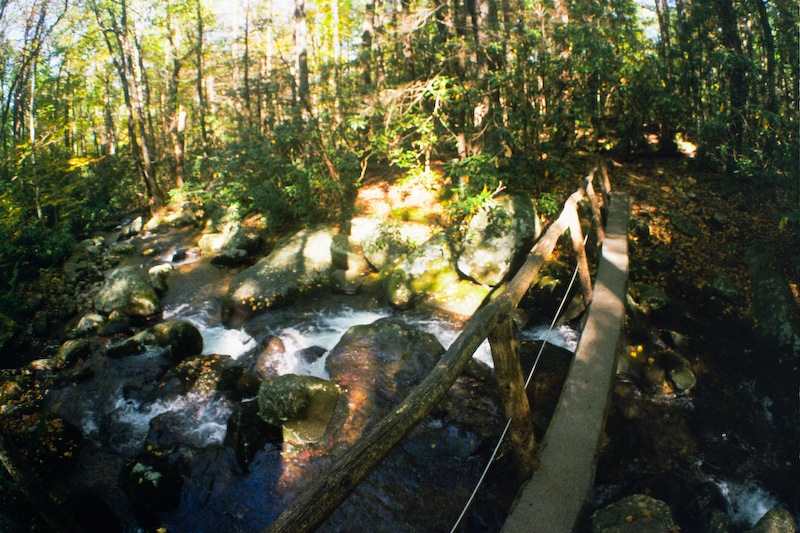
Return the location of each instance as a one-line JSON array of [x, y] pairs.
[[637, 513], [185, 214], [178, 340], [378, 365], [232, 237], [429, 274], [301, 263], [128, 290], [777, 520], [301, 405], [385, 241], [497, 236]]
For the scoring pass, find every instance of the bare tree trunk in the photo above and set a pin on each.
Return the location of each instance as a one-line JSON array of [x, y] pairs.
[[302, 88], [200, 81], [737, 78]]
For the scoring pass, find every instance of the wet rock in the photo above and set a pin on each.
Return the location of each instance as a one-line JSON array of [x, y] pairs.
[[204, 376], [129, 291], [153, 485], [129, 229], [248, 433], [429, 274], [267, 360], [377, 364], [302, 405], [116, 323], [158, 277], [302, 263], [178, 340], [311, 354], [777, 520], [497, 235], [678, 370], [637, 513], [71, 351]]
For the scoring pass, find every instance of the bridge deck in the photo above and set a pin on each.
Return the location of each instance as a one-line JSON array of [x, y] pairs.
[[552, 501]]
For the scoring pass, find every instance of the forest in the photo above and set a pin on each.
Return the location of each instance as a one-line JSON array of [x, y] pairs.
[[275, 118], [282, 109]]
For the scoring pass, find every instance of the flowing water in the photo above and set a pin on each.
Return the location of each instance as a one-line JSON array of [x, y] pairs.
[[122, 405]]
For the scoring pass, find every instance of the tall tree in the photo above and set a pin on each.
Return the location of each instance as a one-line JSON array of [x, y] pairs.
[[114, 22]]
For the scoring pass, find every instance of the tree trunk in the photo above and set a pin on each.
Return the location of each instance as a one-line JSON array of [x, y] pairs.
[[737, 77], [302, 88], [202, 106]]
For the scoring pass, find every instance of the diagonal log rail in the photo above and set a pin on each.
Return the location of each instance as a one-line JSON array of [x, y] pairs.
[[316, 503]]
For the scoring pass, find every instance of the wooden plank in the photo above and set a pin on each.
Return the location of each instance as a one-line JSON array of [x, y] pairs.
[[556, 494]]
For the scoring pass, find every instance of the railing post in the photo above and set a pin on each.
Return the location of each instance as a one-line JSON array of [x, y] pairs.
[[576, 235], [597, 216], [508, 372]]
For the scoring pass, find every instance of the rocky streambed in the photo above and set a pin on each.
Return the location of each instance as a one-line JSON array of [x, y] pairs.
[[204, 376]]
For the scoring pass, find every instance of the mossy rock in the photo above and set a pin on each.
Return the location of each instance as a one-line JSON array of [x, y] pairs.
[[637, 513], [302, 405]]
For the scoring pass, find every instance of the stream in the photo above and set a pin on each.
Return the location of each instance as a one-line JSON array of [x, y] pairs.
[[127, 406], [733, 432]]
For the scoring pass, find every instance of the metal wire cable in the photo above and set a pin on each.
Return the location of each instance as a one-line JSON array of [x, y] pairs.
[[530, 376]]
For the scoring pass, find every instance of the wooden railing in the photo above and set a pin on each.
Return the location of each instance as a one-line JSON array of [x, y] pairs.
[[492, 321]]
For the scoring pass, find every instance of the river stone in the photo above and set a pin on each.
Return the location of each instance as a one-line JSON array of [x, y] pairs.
[[679, 370], [134, 227], [158, 277], [203, 376], [178, 339], [232, 236], [129, 291], [637, 513], [777, 520], [71, 351], [377, 364], [302, 405], [301, 263], [497, 235]]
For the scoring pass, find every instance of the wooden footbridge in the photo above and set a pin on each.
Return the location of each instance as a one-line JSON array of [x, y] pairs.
[[560, 472]]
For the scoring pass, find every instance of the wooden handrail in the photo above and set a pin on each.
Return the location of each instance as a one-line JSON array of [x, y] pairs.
[[326, 492]]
